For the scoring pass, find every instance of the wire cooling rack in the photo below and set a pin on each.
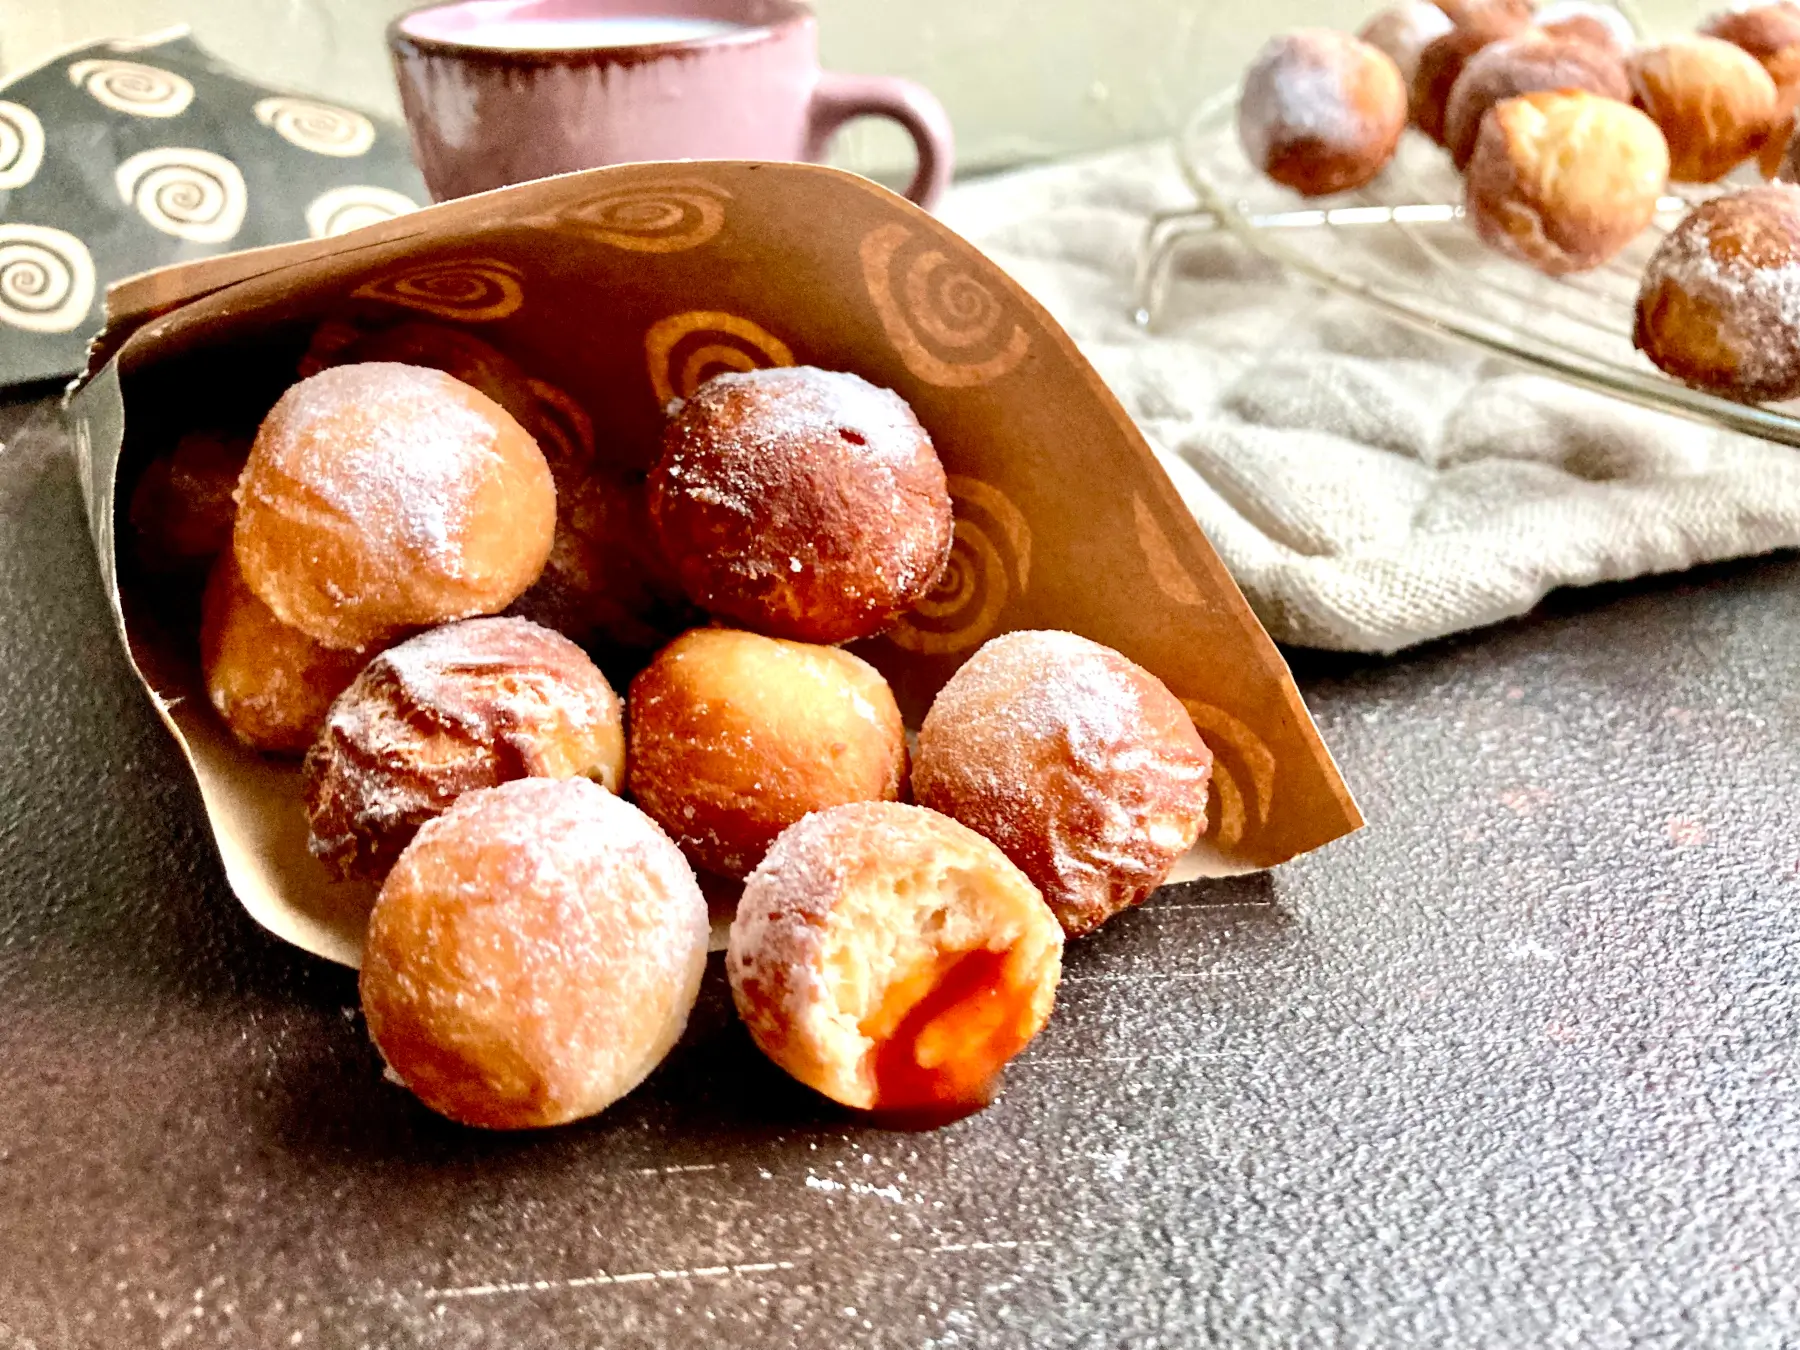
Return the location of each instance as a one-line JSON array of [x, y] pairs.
[[1401, 244]]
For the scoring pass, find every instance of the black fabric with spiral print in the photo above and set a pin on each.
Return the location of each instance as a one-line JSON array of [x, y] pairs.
[[128, 155]]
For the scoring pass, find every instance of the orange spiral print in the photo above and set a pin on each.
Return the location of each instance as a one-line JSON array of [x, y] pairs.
[[948, 325], [564, 430], [1171, 578], [990, 563], [473, 290], [683, 351], [1243, 776], [668, 215]]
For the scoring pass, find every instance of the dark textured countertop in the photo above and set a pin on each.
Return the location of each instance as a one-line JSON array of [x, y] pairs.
[[1514, 1066]]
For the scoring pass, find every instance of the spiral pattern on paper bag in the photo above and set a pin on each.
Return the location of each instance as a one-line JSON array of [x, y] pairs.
[[683, 351], [21, 145], [322, 128], [474, 290], [46, 279], [1243, 776], [669, 216], [1166, 570], [191, 194], [128, 87], [949, 327], [564, 431], [339, 210], [990, 563]]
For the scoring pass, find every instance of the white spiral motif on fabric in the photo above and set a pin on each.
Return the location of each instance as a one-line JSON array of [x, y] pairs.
[[46, 279], [21, 145], [319, 127], [127, 87], [342, 209], [191, 194]]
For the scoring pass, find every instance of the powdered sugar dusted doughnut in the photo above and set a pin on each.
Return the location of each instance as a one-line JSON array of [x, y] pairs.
[[1719, 305], [383, 497], [1565, 179], [1403, 31], [735, 736], [533, 955], [1080, 765], [1321, 111], [469, 705], [1442, 61], [802, 503], [892, 958]]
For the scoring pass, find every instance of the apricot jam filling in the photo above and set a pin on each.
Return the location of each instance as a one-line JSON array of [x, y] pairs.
[[943, 1033]]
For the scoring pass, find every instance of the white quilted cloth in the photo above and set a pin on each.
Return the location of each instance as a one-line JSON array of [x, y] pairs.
[[1369, 486]]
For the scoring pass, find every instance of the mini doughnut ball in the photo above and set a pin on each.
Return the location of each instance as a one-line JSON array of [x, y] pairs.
[[735, 736], [1587, 21], [1761, 30], [469, 705], [181, 509], [1525, 65], [801, 503], [1321, 111], [1516, 13], [533, 955], [380, 498], [1441, 62], [606, 582], [892, 959], [1563, 181], [1714, 102], [1083, 768], [272, 684], [1403, 31], [1719, 305]]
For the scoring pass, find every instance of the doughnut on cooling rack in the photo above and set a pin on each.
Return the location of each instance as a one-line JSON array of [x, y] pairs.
[[1401, 244]]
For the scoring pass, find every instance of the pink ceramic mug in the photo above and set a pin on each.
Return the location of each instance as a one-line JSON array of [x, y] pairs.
[[499, 91]]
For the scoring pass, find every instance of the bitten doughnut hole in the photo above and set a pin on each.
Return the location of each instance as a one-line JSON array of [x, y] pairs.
[[466, 706], [801, 503], [380, 498], [1563, 181], [1714, 103], [892, 959], [735, 736], [272, 684], [1083, 768], [1321, 111], [533, 955], [1719, 305]]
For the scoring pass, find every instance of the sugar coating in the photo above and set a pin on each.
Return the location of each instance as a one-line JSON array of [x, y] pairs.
[[534, 954], [803, 502], [382, 496], [402, 477], [1404, 30], [1080, 765], [850, 900], [1735, 260], [465, 706], [1296, 90]]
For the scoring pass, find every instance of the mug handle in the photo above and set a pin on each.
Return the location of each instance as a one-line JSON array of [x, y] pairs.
[[839, 98]]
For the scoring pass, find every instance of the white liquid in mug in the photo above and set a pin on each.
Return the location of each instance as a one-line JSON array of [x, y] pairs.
[[572, 34]]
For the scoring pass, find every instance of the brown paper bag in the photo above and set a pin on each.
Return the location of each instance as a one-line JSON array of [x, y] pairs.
[[621, 288]]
